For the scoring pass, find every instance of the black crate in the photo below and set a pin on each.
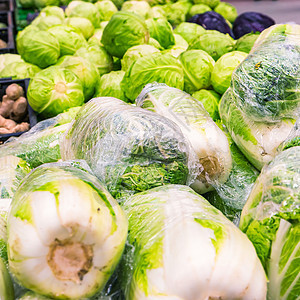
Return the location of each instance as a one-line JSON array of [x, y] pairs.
[[4, 83], [7, 35], [6, 5]]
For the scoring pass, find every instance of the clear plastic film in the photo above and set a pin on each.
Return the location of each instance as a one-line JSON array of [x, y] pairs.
[[271, 218], [65, 222], [266, 85], [206, 138], [258, 141], [128, 148], [293, 138], [181, 247]]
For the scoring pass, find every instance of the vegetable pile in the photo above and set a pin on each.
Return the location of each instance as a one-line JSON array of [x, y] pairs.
[[166, 160]]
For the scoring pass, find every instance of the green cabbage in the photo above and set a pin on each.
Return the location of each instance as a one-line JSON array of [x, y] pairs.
[[19, 70], [84, 25]]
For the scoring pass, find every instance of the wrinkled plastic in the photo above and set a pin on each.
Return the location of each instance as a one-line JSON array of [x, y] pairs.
[[128, 148], [65, 221], [6, 285], [40, 144], [258, 141], [293, 138], [206, 138], [271, 218], [266, 85], [181, 247]]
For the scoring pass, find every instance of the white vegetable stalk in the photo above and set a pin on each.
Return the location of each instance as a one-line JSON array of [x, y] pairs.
[[65, 233], [185, 249]]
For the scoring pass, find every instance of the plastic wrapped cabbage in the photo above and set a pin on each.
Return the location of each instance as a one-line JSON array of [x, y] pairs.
[[128, 148], [271, 218], [64, 221], [197, 66], [38, 47], [70, 39], [266, 85], [110, 85], [156, 67], [214, 43], [54, 90], [223, 69], [257, 140], [293, 138], [124, 30], [206, 138], [40, 144], [181, 247]]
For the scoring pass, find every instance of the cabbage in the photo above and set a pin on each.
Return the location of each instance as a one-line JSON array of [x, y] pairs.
[[246, 42], [7, 58], [181, 247], [53, 11], [141, 8], [70, 39], [6, 285], [110, 85], [189, 31], [227, 10], [84, 25], [20, 70], [38, 47], [43, 23], [106, 9], [223, 69], [128, 148], [206, 138], [54, 90], [84, 70], [43, 3], [197, 66], [97, 56], [124, 30], [157, 67], [63, 220], [214, 43], [270, 219], [198, 9]]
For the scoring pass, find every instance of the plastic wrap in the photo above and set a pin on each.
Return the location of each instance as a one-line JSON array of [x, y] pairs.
[[6, 285], [128, 148], [258, 141], [206, 138], [66, 233], [231, 196], [266, 85], [41, 143], [181, 247], [271, 218], [293, 138]]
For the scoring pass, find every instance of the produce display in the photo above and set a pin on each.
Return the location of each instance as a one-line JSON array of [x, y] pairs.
[[163, 155]]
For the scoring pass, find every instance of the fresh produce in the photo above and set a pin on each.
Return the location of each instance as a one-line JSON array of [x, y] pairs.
[[223, 69], [206, 138], [128, 148], [212, 21], [197, 67], [181, 247], [38, 47], [211, 3], [214, 43], [6, 285], [251, 22], [54, 90], [198, 9], [53, 11], [84, 25], [266, 84], [106, 9], [78, 230], [110, 86], [210, 100], [7, 58], [43, 23], [124, 30], [135, 52], [156, 67], [246, 42], [84, 70], [19, 70], [258, 141], [69, 38], [227, 10], [189, 31], [270, 219], [141, 8]]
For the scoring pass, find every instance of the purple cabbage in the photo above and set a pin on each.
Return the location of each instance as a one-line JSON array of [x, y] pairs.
[[211, 20], [251, 22]]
